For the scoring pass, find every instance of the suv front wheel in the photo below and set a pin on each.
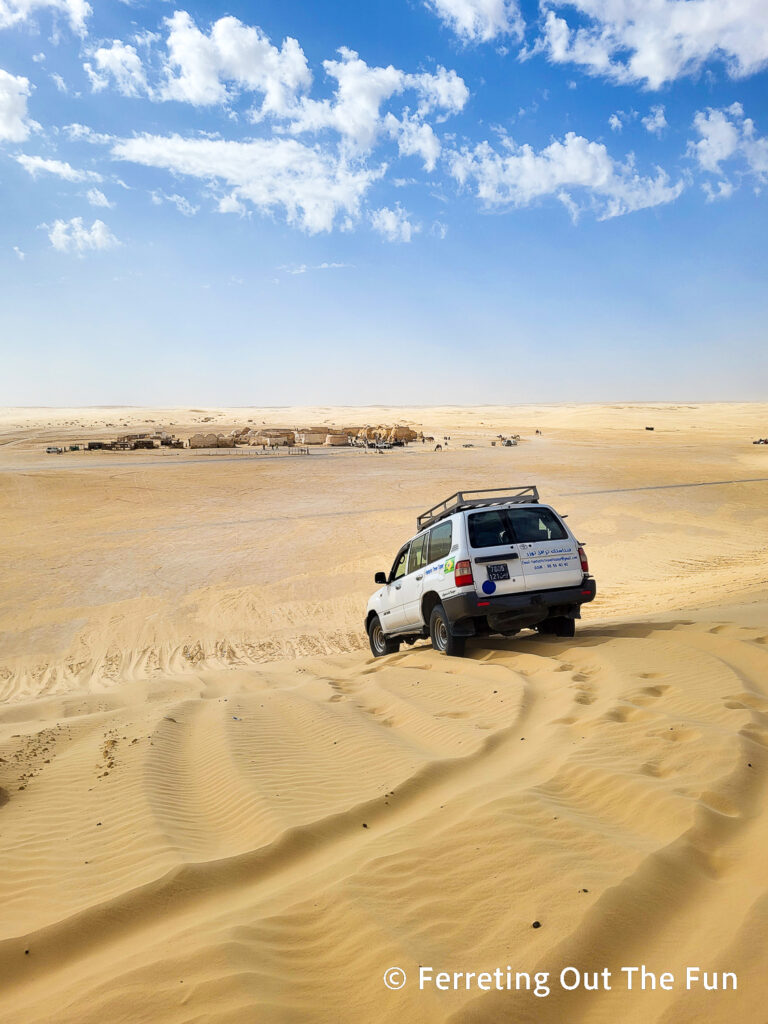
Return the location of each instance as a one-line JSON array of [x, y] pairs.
[[381, 644], [441, 635]]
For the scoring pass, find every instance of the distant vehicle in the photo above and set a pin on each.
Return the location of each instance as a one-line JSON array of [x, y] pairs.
[[482, 562], [53, 450], [510, 443]]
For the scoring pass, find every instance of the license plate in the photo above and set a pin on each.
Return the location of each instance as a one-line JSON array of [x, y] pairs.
[[498, 572]]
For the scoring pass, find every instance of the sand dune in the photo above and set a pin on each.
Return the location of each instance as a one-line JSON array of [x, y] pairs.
[[216, 806], [273, 849]]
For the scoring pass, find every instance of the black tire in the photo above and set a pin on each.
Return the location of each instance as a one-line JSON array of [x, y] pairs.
[[381, 644], [442, 636], [563, 625]]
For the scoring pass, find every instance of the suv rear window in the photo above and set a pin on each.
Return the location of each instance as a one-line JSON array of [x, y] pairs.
[[497, 527], [489, 529], [534, 524], [440, 541]]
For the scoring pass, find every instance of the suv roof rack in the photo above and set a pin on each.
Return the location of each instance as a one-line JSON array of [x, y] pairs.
[[473, 499]]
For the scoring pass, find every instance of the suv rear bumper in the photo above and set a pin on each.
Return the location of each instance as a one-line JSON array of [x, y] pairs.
[[526, 608]]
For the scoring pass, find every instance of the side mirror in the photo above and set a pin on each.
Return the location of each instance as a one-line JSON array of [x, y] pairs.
[[380, 577]]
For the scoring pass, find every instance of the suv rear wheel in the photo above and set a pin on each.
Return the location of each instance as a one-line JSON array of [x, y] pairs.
[[442, 637], [381, 644], [558, 625]]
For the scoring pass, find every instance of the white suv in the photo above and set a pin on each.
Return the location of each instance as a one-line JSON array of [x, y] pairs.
[[482, 562]]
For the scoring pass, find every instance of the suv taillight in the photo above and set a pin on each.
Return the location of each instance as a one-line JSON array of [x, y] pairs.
[[463, 574], [583, 559]]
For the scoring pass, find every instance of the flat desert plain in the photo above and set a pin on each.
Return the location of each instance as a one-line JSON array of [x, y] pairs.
[[218, 807]]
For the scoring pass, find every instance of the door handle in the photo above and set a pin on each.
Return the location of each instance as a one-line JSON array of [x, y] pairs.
[[398, 586], [420, 577]]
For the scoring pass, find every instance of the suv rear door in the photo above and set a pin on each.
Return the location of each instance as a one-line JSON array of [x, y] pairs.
[[496, 556], [549, 556]]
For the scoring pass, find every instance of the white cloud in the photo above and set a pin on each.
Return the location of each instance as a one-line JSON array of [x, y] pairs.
[[657, 41], [21, 255], [35, 165], [615, 122], [519, 175], [231, 204], [14, 12], [181, 203], [655, 122], [59, 82], [207, 69], [301, 268], [14, 90], [361, 91], [199, 65], [82, 133], [442, 91], [309, 184], [414, 138], [97, 198], [394, 225], [355, 112], [121, 63], [726, 134], [479, 20], [73, 236], [723, 190]]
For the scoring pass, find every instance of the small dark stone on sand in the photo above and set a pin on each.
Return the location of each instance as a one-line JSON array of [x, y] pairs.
[[364, 825], [536, 924], [749, 764], [26, 952]]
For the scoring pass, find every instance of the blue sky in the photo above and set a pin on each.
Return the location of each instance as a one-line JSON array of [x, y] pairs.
[[417, 201]]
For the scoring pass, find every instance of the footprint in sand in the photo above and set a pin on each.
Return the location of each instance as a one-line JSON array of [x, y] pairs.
[[654, 769], [746, 701], [625, 713], [584, 697], [648, 695], [656, 691]]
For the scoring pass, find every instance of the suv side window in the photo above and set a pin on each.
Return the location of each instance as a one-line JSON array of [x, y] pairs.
[[440, 541], [489, 529], [418, 556], [535, 524], [401, 564]]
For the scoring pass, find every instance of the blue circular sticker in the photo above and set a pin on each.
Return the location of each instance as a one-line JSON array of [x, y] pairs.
[[489, 587]]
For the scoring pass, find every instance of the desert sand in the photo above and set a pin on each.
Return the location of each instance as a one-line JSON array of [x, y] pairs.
[[216, 806]]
